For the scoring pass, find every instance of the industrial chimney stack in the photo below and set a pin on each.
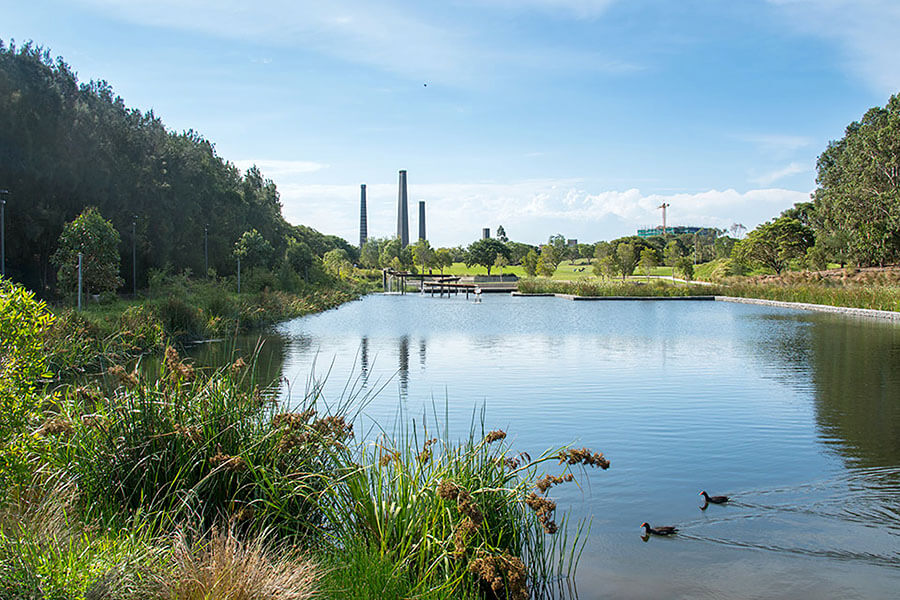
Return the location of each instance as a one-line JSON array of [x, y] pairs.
[[402, 213], [363, 224], [421, 219]]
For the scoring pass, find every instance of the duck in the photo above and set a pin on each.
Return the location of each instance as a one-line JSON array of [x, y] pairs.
[[664, 530], [714, 499]]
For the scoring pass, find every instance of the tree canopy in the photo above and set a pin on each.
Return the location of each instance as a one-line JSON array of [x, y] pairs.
[[859, 186]]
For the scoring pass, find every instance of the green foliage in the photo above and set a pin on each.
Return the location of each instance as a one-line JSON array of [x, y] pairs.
[[627, 258], [530, 263], [774, 244], [685, 267], [97, 241], [253, 250], [859, 187], [369, 254], [484, 252], [443, 259], [423, 254], [337, 262], [648, 260], [23, 368]]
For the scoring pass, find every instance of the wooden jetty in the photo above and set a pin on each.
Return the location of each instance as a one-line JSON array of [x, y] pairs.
[[437, 284]]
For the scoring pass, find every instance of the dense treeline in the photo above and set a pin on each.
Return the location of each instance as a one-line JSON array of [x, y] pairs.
[[66, 145]]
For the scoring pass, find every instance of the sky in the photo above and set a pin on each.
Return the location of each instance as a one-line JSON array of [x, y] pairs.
[[577, 117]]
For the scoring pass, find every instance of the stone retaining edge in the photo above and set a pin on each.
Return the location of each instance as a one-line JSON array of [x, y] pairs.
[[842, 310]]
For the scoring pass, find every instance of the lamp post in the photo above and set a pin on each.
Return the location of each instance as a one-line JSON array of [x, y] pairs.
[[3, 195], [206, 249], [134, 257]]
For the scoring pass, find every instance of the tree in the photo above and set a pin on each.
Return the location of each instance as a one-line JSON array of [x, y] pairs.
[[443, 258], [774, 244], [518, 251], [484, 253], [673, 252], [253, 249], [859, 186], [423, 254], [368, 254], [500, 262], [299, 257], [648, 261], [685, 267], [626, 258], [501, 234], [337, 262], [98, 242], [530, 262], [547, 261], [390, 250], [560, 248], [606, 266]]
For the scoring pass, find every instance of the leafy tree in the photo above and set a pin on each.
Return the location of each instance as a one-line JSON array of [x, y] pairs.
[[24, 323], [859, 186], [775, 243], [547, 261], [253, 249], [560, 249], [337, 262], [501, 234], [586, 251], [369, 254], [530, 263], [518, 251], [685, 267], [606, 266], [626, 258], [500, 262], [423, 254], [299, 257], [648, 261], [443, 258], [484, 253], [723, 246], [97, 241], [674, 251]]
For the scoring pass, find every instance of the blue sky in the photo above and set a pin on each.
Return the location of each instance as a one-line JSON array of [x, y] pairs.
[[546, 116]]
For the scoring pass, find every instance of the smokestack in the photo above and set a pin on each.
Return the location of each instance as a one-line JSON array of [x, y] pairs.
[[486, 233], [363, 223], [421, 219], [402, 213]]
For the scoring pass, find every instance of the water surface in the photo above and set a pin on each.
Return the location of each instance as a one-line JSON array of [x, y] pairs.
[[796, 415]]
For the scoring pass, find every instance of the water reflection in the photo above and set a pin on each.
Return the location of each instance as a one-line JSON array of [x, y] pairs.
[[403, 366], [857, 381], [364, 357]]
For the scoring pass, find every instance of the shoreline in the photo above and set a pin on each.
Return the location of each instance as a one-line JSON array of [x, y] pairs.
[[869, 313]]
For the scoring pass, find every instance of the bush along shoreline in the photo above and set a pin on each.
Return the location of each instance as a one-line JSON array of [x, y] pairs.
[[808, 289], [184, 483], [180, 311]]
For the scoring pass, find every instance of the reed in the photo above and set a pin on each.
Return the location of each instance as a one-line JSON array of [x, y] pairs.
[[541, 285]]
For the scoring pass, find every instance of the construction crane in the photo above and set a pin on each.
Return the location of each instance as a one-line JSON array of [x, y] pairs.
[[664, 206]]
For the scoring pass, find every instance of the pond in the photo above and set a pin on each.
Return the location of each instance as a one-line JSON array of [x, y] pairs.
[[796, 415]]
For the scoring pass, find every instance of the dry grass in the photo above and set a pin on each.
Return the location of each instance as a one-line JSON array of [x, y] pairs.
[[224, 566]]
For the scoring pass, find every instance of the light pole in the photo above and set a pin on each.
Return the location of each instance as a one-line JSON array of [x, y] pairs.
[[3, 195], [134, 257], [206, 249]]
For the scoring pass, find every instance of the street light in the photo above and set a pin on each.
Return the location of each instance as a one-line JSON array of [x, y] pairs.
[[3, 195], [134, 257]]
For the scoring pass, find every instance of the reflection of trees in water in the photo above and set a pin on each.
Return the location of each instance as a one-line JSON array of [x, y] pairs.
[[403, 365], [857, 380], [422, 351], [270, 351], [364, 358]]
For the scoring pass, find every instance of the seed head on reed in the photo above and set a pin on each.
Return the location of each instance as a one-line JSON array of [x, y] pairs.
[[191, 433], [177, 369], [466, 505], [56, 427], [583, 456], [447, 490], [125, 378], [505, 574], [547, 481], [237, 365], [461, 535], [232, 464], [494, 436], [425, 455]]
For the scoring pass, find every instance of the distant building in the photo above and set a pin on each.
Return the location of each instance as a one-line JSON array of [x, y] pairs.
[[646, 232], [363, 222], [402, 212], [486, 233], [571, 243], [421, 219]]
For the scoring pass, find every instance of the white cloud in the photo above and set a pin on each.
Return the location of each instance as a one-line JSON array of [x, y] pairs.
[[774, 143], [280, 169], [771, 177], [867, 31], [529, 210]]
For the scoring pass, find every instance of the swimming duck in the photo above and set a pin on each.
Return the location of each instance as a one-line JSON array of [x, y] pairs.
[[664, 530], [714, 499]]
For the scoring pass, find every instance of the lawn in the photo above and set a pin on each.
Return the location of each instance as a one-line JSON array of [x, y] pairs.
[[567, 271]]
